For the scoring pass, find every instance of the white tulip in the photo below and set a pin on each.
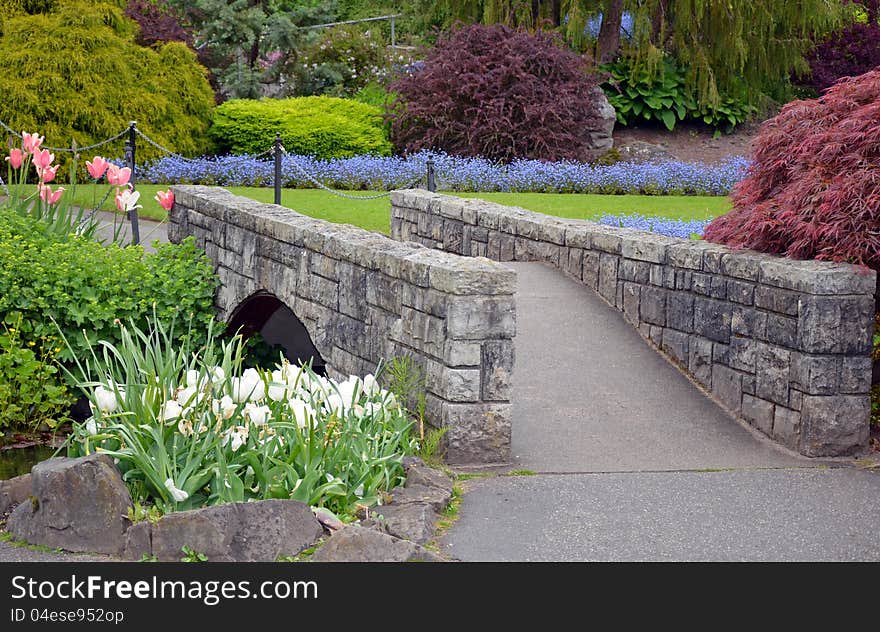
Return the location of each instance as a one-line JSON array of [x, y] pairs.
[[237, 436], [223, 407], [91, 426], [170, 410], [301, 411], [217, 374], [188, 396], [277, 392], [176, 493], [249, 386], [185, 427], [106, 400], [257, 415], [371, 386], [192, 378], [349, 390]]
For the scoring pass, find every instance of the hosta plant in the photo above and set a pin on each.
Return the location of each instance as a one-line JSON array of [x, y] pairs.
[[190, 427]]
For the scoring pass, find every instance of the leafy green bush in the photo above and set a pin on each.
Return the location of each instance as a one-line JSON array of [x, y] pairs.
[[86, 287], [340, 62], [661, 95], [78, 75], [324, 127], [30, 388]]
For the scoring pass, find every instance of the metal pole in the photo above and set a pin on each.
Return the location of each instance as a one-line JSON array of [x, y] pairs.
[[429, 175], [133, 214], [277, 153]]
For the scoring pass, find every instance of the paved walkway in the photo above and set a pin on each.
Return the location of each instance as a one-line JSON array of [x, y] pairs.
[[634, 462]]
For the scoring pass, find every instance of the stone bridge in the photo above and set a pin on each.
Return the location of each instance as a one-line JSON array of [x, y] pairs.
[[784, 346]]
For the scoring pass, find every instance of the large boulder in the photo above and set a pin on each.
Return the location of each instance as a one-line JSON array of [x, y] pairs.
[[75, 504], [235, 532], [600, 139]]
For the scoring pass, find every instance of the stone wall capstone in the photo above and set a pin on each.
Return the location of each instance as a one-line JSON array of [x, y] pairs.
[[365, 298], [783, 344]]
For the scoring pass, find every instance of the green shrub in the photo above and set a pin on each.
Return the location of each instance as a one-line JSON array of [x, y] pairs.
[[78, 75], [661, 95], [30, 389], [86, 287], [324, 127]]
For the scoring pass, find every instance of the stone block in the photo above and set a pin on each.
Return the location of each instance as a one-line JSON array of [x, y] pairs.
[[727, 386], [817, 277], [712, 319], [830, 324], [461, 385], [575, 263], [816, 375], [652, 307], [740, 292], [608, 277], [636, 271], [360, 544], [685, 254], [787, 427], [700, 360], [759, 413], [462, 275], [777, 300], [710, 285], [749, 322], [680, 311], [782, 331], [478, 433], [631, 302], [676, 344], [590, 274], [855, 375], [14, 491], [834, 425], [646, 247], [742, 265], [471, 318], [461, 353], [497, 370], [742, 354], [772, 373], [352, 291]]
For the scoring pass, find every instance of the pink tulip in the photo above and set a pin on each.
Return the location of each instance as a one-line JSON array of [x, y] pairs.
[[48, 174], [127, 198], [97, 167], [31, 142], [15, 158], [165, 199], [47, 195], [43, 159], [118, 177]]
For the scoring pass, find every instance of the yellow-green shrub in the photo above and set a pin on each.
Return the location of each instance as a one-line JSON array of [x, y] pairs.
[[324, 127], [77, 75]]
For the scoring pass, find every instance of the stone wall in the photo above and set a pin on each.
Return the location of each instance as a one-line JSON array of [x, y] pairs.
[[364, 298], [783, 344]]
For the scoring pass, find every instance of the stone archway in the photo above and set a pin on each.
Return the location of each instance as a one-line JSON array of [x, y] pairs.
[[266, 314]]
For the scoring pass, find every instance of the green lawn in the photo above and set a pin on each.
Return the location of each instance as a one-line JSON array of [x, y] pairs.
[[374, 214]]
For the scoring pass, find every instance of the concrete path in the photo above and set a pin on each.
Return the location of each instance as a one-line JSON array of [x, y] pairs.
[[149, 230], [634, 462]]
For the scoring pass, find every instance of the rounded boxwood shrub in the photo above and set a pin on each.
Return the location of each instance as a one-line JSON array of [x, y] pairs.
[[78, 75], [499, 93], [813, 189], [89, 288], [320, 126]]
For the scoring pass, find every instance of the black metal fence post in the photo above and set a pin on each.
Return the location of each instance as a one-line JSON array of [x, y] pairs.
[[429, 175], [130, 151], [277, 153]]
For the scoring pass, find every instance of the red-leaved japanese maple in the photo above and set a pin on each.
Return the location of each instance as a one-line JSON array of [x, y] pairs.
[[500, 93], [813, 190]]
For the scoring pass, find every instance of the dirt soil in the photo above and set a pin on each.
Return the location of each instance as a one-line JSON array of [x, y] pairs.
[[691, 143]]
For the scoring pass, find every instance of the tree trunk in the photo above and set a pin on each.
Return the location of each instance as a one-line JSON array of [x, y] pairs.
[[657, 21], [556, 10], [609, 32]]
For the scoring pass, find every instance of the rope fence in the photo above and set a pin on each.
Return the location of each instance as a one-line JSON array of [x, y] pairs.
[[276, 152]]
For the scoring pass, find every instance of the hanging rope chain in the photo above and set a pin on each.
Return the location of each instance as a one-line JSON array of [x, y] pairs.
[[320, 185]]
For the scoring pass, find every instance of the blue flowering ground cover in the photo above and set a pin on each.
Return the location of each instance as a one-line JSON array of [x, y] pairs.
[[687, 229], [377, 173]]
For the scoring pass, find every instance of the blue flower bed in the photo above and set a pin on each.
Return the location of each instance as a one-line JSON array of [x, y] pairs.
[[671, 227], [454, 174]]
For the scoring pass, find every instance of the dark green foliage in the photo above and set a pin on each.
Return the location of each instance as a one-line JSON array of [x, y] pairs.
[[77, 75], [87, 287], [324, 127], [638, 94]]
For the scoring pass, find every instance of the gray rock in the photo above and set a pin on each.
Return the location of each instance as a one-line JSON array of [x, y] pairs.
[[138, 541], [639, 151], [357, 544], [77, 505], [420, 475], [410, 521], [436, 497], [238, 532], [14, 491], [835, 425], [600, 139]]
